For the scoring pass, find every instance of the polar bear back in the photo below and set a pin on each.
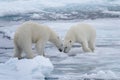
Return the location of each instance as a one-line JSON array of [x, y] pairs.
[[81, 32], [35, 31]]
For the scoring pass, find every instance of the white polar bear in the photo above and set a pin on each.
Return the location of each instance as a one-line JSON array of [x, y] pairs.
[[80, 33], [31, 32]]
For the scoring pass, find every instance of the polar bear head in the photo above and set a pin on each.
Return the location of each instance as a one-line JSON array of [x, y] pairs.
[[69, 40], [55, 39], [67, 45], [58, 43]]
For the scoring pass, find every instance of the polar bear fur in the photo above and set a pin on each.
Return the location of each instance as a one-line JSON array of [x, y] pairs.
[[31, 32], [83, 34]]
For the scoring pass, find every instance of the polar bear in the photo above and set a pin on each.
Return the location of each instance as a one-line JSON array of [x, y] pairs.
[[31, 32], [80, 33]]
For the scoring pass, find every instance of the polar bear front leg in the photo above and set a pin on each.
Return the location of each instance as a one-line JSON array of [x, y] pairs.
[[91, 45], [17, 52], [85, 46], [40, 47]]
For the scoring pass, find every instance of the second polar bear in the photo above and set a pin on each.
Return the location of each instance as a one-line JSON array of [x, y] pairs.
[[80, 33], [31, 32]]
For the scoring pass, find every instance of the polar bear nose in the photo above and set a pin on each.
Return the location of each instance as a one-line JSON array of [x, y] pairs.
[[60, 50], [65, 50]]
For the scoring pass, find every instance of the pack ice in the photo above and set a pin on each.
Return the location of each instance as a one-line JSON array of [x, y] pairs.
[[26, 69]]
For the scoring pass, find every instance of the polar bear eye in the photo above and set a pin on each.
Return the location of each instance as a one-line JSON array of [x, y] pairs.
[[65, 47], [70, 41], [58, 37]]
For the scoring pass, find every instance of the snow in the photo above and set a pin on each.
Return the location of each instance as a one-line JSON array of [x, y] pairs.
[[36, 16], [100, 75], [103, 74], [31, 69]]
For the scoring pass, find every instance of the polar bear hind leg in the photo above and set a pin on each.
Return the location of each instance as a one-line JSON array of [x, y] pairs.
[[91, 45], [27, 48], [85, 46]]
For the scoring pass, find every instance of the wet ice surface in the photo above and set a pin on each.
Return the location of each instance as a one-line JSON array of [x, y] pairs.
[[104, 63]]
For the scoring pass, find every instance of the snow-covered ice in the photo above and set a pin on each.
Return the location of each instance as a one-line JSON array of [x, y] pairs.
[[104, 63], [26, 69], [103, 74], [54, 10]]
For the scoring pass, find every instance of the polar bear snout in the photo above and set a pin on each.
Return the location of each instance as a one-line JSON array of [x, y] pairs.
[[59, 44], [67, 44], [66, 49], [60, 50]]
